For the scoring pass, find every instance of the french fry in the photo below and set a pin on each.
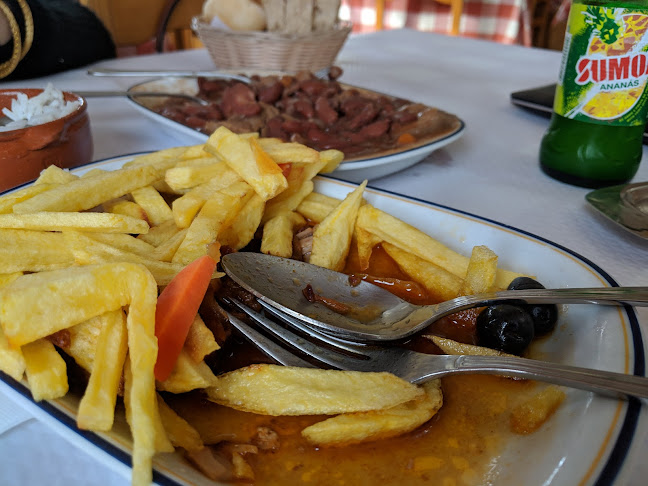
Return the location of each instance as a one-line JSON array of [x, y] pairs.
[[160, 160], [288, 200], [83, 341], [82, 194], [146, 426], [139, 387], [200, 341], [127, 208], [55, 175], [165, 250], [186, 177], [156, 208], [529, 416], [278, 234], [440, 284], [332, 237], [160, 233], [316, 206], [288, 152], [7, 278], [97, 406], [187, 375], [282, 390], [45, 369], [33, 251], [63, 298], [216, 214], [332, 158], [449, 346], [9, 200], [124, 242], [93, 172], [480, 275], [87, 251], [12, 361], [163, 188], [241, 231], [194, 152], [204, 160], [53, 221], [365, 243], [354, 428], [406, 237], [299, 187], [248, 160], [187, 206], [180, 433]]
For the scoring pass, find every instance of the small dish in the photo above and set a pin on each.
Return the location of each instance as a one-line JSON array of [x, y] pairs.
[[625, 205], [65, 142]]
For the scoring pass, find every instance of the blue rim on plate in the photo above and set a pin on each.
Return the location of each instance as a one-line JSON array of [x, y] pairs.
[[615, 457]]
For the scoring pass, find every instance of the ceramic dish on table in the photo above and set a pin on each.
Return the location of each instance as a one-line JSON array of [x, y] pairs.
[[355, 168], [585, 442], [65, 142], [626, 205]]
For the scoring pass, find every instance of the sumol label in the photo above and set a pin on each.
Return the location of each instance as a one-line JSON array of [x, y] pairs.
[[604, 69]]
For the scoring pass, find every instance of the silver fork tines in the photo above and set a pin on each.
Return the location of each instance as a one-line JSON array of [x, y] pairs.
[[418, 367]]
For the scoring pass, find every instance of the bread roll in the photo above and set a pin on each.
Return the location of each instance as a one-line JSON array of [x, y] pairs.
[[275, 12], [299, 17], [236, 14], [325, 14]]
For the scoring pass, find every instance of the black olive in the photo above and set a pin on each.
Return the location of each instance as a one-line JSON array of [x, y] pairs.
[[505, 327], [524, 283], [544, 316]]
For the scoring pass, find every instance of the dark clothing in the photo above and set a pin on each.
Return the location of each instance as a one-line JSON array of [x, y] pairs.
[[67, 35]]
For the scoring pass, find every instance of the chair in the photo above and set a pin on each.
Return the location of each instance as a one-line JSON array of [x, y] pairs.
[[456, 9], [132, 23]]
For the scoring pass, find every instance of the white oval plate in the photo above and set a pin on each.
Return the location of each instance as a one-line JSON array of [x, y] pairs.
[[353, 170], [585, 443]]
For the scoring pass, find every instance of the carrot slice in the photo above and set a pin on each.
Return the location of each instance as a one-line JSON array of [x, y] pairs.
[[176, 309]]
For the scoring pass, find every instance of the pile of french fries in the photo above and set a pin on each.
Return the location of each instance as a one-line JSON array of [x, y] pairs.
[[84, 258]]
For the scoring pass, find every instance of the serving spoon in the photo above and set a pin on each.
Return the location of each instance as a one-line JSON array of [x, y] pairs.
[[109, 93], [375, 314], [177, 74]]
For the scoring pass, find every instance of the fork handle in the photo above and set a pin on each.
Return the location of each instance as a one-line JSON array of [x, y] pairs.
[[636, 296], [603, 382]]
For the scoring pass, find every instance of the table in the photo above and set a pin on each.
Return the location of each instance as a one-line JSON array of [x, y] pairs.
[[492, 171]]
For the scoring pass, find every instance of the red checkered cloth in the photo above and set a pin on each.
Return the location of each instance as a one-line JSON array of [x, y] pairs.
[[505, 21]]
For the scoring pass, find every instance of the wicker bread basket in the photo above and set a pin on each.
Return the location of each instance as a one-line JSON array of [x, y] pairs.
[[270, 50]]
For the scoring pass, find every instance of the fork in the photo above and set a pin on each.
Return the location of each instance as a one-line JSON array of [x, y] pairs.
[[416, 367]]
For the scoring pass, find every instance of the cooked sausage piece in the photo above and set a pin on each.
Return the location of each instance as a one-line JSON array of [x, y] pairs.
[[240, 100]]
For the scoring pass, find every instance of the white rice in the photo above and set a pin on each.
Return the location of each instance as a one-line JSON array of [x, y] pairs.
[[43, 108]]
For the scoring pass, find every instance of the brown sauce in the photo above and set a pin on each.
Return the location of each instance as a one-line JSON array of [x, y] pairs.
[[456, 447]]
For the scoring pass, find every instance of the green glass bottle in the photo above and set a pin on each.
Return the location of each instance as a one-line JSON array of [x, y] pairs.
[[595, 135]]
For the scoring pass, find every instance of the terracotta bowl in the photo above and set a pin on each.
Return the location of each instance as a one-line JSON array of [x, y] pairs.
[[25, 152]]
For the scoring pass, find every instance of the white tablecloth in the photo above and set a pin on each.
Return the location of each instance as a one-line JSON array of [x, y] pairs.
[[491, 171]]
